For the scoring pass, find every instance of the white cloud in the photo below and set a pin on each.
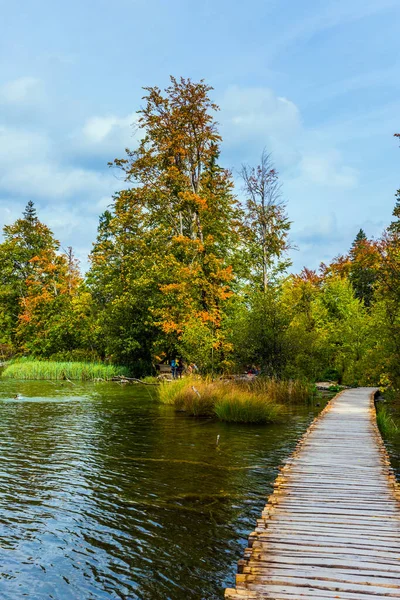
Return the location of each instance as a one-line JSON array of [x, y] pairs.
[[22, 91], [49, 180], [327, 170], [254, 113], [104, 137], [21, 146], [102, 129], [257, 118]]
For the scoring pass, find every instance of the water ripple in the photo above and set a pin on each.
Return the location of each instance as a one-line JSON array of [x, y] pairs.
[[104, 494]]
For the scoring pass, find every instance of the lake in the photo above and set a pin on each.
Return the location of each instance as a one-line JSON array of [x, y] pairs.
[[105, 493]]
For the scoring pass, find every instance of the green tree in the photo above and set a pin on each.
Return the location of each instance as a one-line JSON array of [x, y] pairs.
[[363, 268], [165, 255], [24, 241], [51, 319], [258, 327], [266, 222]]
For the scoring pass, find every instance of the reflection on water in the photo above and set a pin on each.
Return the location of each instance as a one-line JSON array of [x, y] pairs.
[[106, 494]]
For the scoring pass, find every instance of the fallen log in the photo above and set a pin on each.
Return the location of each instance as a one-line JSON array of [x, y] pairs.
[[123, 379]]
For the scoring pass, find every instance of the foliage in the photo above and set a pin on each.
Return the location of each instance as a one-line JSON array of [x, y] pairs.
[[180, 268], [266, 221], [386, 423], [44, 305], [36, 369], [165, 252], [258, 331], [334, 388]]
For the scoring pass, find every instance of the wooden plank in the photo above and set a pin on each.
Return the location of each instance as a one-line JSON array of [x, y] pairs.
[[331, 529]]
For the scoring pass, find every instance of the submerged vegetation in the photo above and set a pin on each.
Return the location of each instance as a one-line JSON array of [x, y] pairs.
[[50, 370], [260, 401]]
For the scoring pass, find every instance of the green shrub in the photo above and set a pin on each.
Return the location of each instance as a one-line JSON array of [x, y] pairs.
[[77, 355], [334, 388]]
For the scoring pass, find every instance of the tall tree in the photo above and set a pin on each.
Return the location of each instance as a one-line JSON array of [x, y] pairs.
[[266, 219], [363, 268], [51, 319], [24, 241], [172, 236]]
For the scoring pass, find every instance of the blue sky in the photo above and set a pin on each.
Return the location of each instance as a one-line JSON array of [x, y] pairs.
[[315, 83]]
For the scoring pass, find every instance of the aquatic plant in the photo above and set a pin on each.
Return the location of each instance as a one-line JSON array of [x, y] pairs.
[[386, 423], [282, 391], [37, 369], [169, 390], [238, 406], [235, 402]]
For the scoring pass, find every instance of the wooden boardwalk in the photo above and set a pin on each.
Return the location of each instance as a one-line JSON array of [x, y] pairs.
[[331, 529]]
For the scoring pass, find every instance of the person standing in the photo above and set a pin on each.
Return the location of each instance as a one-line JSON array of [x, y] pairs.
[[174, 369], [180, 368]]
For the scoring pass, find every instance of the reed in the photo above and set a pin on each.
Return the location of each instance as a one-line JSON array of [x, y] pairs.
[[51, 370], [239, 406], [282, 391], [168, 390], [387, 425], [196, 402], [229, 401]]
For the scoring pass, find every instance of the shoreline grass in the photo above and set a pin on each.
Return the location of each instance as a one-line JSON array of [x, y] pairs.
[[52, 370], [259, 401], [386, 423]]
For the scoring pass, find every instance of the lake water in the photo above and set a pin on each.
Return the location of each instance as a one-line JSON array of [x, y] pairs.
[[106, 494]]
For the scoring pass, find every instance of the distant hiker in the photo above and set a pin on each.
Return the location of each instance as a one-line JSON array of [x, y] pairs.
[[192, 368], [174, 368], [180, 368]]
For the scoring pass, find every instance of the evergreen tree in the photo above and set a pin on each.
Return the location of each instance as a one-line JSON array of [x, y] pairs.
[[363, 267], [394, 227]]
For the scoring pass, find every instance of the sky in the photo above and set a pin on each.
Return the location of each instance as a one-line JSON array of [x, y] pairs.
[[314, 83]]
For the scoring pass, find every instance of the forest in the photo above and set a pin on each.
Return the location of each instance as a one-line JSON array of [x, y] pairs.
[[186, 264]]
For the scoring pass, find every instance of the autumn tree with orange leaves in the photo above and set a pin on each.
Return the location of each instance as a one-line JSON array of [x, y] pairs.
[[23, 242], [171, 239], [44, 306]]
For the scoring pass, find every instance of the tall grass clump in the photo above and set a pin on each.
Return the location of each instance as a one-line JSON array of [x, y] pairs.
[[168, 390], [228, 401], [387, 425], [37, 370], [282, 391], [240, 406]]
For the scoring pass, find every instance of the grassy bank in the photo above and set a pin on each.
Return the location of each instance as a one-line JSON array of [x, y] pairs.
[[36, 370], [261, 401], [386, 423]]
